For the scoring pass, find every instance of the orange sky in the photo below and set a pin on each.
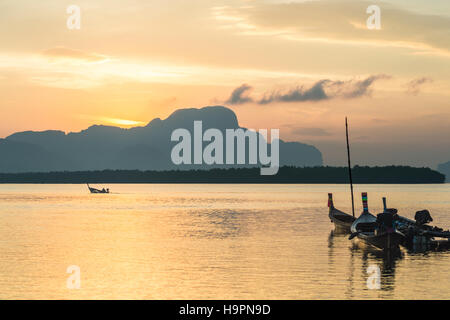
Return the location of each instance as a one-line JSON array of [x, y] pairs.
[[136, 60]]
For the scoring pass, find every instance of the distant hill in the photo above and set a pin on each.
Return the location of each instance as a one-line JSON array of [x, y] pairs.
[[139, 148], [381, 175], [445, 169]]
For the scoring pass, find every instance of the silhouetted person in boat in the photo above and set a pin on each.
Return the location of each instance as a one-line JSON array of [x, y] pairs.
[[103, 190], [386, 219], [107, 190]]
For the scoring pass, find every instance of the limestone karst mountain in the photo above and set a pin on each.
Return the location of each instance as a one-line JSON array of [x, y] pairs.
[[145, 148]]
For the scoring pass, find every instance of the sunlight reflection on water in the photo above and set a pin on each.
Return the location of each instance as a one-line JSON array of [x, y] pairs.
[[207, 242]]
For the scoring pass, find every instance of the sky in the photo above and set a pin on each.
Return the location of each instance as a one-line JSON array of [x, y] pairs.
[[298, 66]]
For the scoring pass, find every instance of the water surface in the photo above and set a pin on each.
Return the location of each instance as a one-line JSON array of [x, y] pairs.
[[166, 241]]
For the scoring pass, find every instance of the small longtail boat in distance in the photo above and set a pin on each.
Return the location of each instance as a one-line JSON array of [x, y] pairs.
[[93, 190], [342, 221], [373, 232]]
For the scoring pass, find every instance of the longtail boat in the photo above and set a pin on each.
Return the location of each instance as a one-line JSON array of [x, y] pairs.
[[93, 190], [369, 229], [419, 236], [342, 221]]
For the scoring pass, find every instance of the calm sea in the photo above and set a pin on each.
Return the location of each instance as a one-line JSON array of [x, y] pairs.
[[165, 241]]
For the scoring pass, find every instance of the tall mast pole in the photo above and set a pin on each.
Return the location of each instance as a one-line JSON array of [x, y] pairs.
[[349, 167]]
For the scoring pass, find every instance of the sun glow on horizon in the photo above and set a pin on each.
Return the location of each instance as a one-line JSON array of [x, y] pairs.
[[121, 122]]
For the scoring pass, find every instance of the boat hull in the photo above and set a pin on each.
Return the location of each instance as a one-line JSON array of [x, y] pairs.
[[93, 190], [384, 241], [98, 191], [367, 229], [342, 221]]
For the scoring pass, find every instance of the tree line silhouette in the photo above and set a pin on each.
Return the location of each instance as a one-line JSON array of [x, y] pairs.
[[287, 174]]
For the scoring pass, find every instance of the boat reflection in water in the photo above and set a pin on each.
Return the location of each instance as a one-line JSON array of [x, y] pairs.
[[378, 268], [381, 265], [366, 264]]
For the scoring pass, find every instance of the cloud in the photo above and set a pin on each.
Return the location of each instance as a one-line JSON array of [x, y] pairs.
[[311, 132], [299, 94], [342, 22], [361, 88], [413, 87], [324, 89], [74, 54], [238, 96]]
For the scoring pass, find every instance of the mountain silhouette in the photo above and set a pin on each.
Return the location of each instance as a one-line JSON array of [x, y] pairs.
[[144, 148], [444, 168]]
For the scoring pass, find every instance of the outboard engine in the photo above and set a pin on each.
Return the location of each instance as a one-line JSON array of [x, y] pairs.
[[423, 217]]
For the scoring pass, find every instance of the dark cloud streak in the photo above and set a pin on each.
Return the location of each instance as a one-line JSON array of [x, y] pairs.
[[361, 88], [415, 84], [299, 94], [238, 95], [324, 89]]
